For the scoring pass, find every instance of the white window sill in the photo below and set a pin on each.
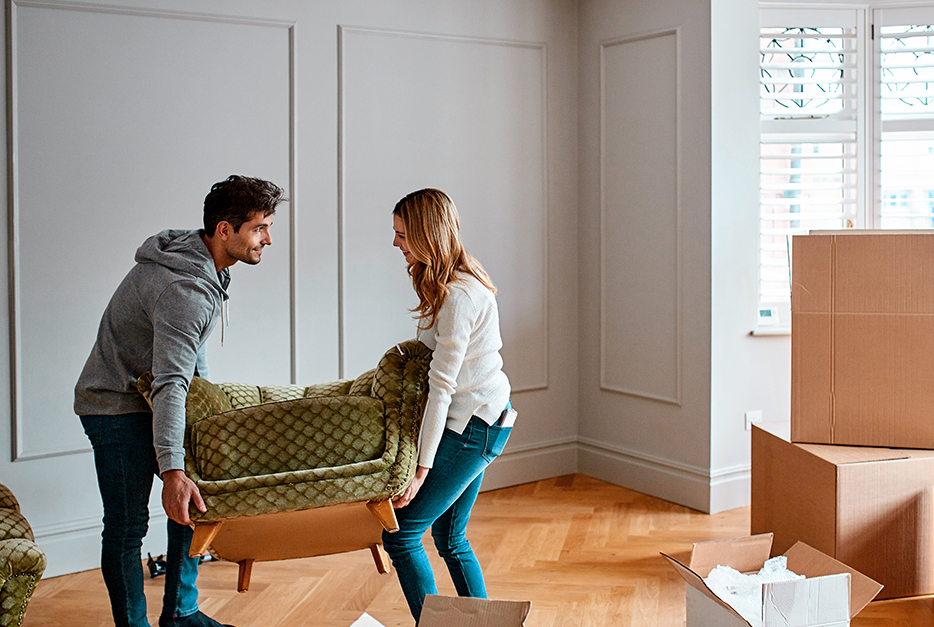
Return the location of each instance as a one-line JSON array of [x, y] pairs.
[[770, 331]]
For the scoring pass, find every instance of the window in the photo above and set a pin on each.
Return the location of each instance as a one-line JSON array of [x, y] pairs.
[[847, 128], [906, 105], [811, 97]]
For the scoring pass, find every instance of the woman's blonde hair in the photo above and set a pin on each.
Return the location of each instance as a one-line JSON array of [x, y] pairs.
[[432, 236]]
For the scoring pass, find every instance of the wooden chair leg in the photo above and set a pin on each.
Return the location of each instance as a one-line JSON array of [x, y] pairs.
[[385, 514], [243, 579], [203, 537], [381, 559]]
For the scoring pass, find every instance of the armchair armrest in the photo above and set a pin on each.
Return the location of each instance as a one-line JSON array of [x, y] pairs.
[[204, 398], [7, 500], [20, 556]]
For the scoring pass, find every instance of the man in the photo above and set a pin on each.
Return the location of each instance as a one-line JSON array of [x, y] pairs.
[[159, 319]]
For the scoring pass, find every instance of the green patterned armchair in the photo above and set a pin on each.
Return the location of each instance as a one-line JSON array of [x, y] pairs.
[[294, 471], [22, 562]]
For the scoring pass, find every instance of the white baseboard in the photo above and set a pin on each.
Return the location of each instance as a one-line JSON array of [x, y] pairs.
[[75, 546], [532, 463], [730, 488], [693, 487]]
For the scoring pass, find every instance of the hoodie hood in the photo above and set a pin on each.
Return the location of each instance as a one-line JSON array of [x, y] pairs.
[[158, 320], [183, 251]]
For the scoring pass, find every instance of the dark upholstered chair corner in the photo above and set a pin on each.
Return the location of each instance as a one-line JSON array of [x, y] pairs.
[[22, 562]]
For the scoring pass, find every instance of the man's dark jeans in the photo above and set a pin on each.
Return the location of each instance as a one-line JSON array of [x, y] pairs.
[[126, 464]]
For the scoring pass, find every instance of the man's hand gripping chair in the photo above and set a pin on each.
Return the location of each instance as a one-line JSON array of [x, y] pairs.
[[292, 471]]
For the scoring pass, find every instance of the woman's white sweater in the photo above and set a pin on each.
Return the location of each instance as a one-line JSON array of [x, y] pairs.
[[466, 374]]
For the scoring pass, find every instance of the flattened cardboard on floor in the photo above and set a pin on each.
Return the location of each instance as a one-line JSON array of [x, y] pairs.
[[862, 339], [831, 594], [870, 508], [442, 611]]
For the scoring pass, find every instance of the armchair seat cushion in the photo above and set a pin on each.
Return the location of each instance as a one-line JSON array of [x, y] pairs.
[[289, 436]]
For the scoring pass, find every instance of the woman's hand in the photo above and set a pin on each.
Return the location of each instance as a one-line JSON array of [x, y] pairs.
[[406, 497]]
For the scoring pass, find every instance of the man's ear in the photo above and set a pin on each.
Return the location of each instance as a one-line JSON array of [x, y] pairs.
[[223, 230]]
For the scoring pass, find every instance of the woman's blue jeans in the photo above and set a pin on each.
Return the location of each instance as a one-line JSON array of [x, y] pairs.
[[443, 503], [126, 464]]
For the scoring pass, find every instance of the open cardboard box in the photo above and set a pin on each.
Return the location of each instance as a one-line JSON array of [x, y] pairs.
[[441, 611], [830, 596]]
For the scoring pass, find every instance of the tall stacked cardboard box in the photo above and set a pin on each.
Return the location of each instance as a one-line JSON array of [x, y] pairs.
[[855, 479]]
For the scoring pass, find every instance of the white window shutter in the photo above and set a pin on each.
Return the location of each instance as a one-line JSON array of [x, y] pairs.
[[810, 136]]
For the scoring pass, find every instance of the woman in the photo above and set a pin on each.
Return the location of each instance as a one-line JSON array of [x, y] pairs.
[[467, 417]]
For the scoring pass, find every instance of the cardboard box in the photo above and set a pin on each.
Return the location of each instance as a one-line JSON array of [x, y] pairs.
[[441, 611], [870, 508], [830, 596], [862, 311]]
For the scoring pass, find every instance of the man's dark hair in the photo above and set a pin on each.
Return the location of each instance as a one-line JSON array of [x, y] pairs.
[[237, 199]]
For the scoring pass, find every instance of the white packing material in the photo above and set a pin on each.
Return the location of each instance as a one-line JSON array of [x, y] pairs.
[[744, 592]]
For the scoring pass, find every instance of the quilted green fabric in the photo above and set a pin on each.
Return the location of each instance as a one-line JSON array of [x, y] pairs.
[[287, 448], [7, 500], [276, 393], [289, 436], [14, 525], [22, 562], [363, 385], [331, 388], [241, 395], [401, 381], [204, 398]]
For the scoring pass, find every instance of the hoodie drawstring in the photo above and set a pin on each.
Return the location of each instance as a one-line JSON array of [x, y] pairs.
[[225, 318], [223, 278]]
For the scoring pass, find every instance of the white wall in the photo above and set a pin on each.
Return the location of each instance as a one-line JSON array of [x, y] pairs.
[[669, 225], [123, 116], [747, 372], [645, 246], [605, 174]]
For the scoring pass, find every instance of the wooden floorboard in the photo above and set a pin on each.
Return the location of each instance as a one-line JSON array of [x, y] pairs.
[[584, 552]]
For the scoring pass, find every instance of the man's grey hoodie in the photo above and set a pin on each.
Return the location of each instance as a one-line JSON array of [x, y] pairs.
[[158, 319]]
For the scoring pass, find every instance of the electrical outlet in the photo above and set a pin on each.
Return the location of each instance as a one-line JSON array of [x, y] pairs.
[[751, 417]]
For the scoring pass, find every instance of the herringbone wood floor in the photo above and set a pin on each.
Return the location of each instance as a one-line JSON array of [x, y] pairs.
[[586, 553]]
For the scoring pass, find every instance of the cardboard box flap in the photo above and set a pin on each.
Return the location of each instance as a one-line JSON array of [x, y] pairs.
[[743, 554], [802, 603], [442, 611], [696, 581], [808, 561], [841, 454]]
